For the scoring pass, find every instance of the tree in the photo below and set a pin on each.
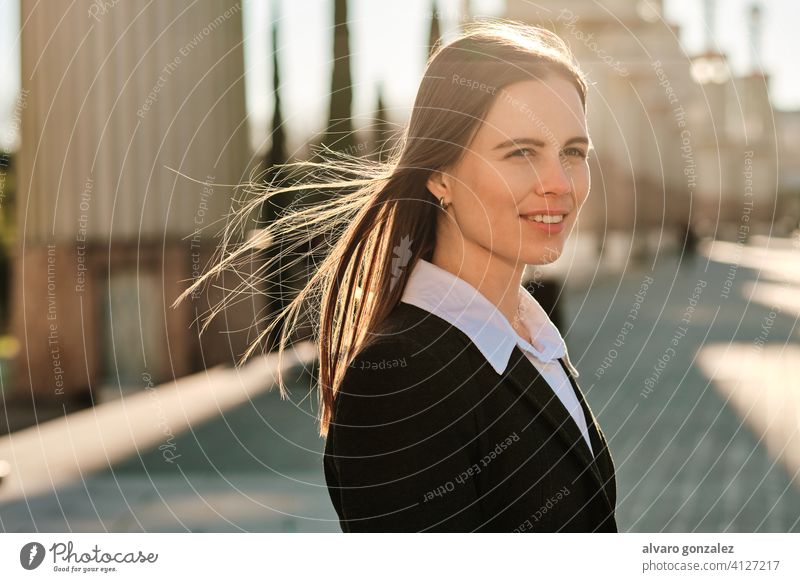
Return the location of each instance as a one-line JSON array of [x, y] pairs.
[[275, 289], [381, 128], [339, 134], [435, 31]]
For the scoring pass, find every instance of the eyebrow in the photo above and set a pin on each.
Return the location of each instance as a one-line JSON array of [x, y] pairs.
[[538, 142]]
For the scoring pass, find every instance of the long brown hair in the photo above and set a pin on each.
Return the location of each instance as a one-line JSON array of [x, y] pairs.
[[382, 216]]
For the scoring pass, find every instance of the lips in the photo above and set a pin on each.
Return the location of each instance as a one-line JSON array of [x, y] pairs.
[[548, 216], [550, 211], [550, 221]]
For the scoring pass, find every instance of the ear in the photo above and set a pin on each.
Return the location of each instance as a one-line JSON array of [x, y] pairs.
[[438, 184]]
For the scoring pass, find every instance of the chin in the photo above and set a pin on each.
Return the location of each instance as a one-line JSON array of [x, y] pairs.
[[547, 254], [545, 260], [540, 257]]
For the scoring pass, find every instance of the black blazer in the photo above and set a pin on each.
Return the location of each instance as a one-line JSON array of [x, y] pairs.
[[426, 436]]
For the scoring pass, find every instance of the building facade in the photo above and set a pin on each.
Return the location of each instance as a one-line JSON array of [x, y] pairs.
[[134, 127]]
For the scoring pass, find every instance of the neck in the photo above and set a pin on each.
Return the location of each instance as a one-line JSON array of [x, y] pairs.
[[496, 279]]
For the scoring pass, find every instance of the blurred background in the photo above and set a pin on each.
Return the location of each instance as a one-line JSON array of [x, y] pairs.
[[124, 126]]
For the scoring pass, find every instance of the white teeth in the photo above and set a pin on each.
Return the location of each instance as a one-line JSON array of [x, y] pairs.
[[547, 218]]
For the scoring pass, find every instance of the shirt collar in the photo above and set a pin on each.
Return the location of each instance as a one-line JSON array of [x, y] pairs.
[[447, 296]]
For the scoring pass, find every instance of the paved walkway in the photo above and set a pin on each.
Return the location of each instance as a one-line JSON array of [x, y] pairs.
[[223, 453], [689, 457], [703, 440]]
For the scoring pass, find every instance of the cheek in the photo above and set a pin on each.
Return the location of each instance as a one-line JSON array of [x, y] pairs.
[[581, 179], [491, 196], [581, 176]]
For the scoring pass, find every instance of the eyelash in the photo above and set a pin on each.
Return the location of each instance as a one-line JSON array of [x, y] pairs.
[[575, 152]]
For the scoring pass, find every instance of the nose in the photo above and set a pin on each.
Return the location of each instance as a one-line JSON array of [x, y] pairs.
[[554, 177]]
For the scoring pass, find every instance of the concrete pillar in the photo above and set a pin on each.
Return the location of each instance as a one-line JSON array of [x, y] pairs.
[[116, 93]]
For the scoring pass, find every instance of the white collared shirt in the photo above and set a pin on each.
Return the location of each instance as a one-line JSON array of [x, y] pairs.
[[447, 296]]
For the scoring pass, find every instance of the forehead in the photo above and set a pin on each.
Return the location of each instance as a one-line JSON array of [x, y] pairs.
[[535, 108]]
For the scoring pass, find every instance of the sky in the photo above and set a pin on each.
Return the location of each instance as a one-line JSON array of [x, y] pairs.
[[393, 53]]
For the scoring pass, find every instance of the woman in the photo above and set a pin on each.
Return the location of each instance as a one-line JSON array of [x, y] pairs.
[[446, 395]]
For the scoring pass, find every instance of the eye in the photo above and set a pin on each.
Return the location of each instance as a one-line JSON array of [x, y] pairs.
[[517, 153], [576, 152]]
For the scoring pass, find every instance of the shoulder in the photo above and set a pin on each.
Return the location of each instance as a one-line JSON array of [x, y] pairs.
[[390, 363], [411, 341], [401, 376]]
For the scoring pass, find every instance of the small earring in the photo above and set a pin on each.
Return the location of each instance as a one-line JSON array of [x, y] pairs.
[[444, 205]]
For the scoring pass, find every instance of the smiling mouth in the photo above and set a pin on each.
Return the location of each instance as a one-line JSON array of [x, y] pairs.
[[549, 224], [545, 218]]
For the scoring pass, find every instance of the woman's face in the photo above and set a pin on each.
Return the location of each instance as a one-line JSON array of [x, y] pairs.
[[527, 158]]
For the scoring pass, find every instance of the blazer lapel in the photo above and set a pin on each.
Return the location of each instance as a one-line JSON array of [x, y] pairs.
[[602, 457], [546, 403], [540, 396]]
